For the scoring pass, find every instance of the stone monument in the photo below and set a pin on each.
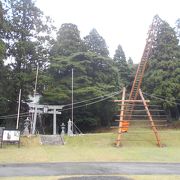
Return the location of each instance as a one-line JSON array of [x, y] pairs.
[[26, 126], [62, 129], [69, 132]]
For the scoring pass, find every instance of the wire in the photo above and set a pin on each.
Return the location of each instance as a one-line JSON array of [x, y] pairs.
[[162, 97], [91, 102], [77, 128], [115, 93], [150, 95], [80, 102], [13, 115]]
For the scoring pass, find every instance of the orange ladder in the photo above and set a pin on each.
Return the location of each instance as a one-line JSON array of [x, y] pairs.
[[126, 110]]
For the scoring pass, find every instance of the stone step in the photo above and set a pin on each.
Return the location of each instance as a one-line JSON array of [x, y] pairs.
[[52, 139]]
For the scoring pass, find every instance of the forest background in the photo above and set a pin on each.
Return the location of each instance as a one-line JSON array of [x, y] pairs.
[[26, 43]]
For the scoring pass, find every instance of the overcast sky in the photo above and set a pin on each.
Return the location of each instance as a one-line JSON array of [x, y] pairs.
[[124, 22]]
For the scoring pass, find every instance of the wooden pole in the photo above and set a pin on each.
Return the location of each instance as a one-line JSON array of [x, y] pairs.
[[19, 106], [150, 119], [121, 118]]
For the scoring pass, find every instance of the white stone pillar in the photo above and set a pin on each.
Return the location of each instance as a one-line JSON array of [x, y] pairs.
[[70, 133], [54, 121]]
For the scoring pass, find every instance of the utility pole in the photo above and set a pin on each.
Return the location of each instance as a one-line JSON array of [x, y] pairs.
[[35, 108], [35, 87], [19, 106], [72, 113]]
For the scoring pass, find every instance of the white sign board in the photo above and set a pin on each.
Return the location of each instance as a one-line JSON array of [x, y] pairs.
[[11, 135]]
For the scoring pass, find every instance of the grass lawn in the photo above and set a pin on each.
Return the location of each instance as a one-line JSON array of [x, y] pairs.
[[98, 147]]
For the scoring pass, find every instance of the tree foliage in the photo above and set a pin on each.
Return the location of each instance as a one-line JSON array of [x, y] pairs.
[[130, 62], [25, 43], [178, 28], [68, 40], [163, 74], [94, 76], [96, 43], [24, 33], [25, 25], [4, 71], [124, 71]]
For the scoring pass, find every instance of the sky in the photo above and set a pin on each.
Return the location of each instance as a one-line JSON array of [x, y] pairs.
[[124, 22]]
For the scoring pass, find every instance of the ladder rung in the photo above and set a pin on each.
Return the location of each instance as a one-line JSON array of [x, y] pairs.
[[121, 132], [146, 120], [145, 126], [134, 140], [136, 110], [135, 115]]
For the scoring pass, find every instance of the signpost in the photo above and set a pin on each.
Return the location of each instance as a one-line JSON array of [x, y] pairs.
[[11, 136]]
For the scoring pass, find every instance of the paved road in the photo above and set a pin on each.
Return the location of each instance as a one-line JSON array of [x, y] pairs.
[[93, 168]]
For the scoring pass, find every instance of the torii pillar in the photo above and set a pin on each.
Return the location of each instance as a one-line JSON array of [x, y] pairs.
[[45, 109]]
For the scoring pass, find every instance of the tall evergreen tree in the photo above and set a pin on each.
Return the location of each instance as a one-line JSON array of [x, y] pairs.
[[132, 70], [120, 59], [130, 62], [26, 38], [26, 45], [68, 40], [163, 74], [96, 43], [178, 27], [94, 76], [4, 71]]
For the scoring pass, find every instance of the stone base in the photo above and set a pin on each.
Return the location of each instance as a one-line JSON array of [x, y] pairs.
[[52, 139]]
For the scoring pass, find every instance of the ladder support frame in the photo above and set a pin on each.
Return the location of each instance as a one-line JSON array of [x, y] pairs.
[[122, 117]]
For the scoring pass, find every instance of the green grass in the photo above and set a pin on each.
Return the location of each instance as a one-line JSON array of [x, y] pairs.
[[98, 147]]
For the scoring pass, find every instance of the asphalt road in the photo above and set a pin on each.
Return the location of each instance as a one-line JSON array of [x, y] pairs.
[[86, 168]]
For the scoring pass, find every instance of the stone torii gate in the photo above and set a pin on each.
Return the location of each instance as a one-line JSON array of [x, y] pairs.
[[44, 109]]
